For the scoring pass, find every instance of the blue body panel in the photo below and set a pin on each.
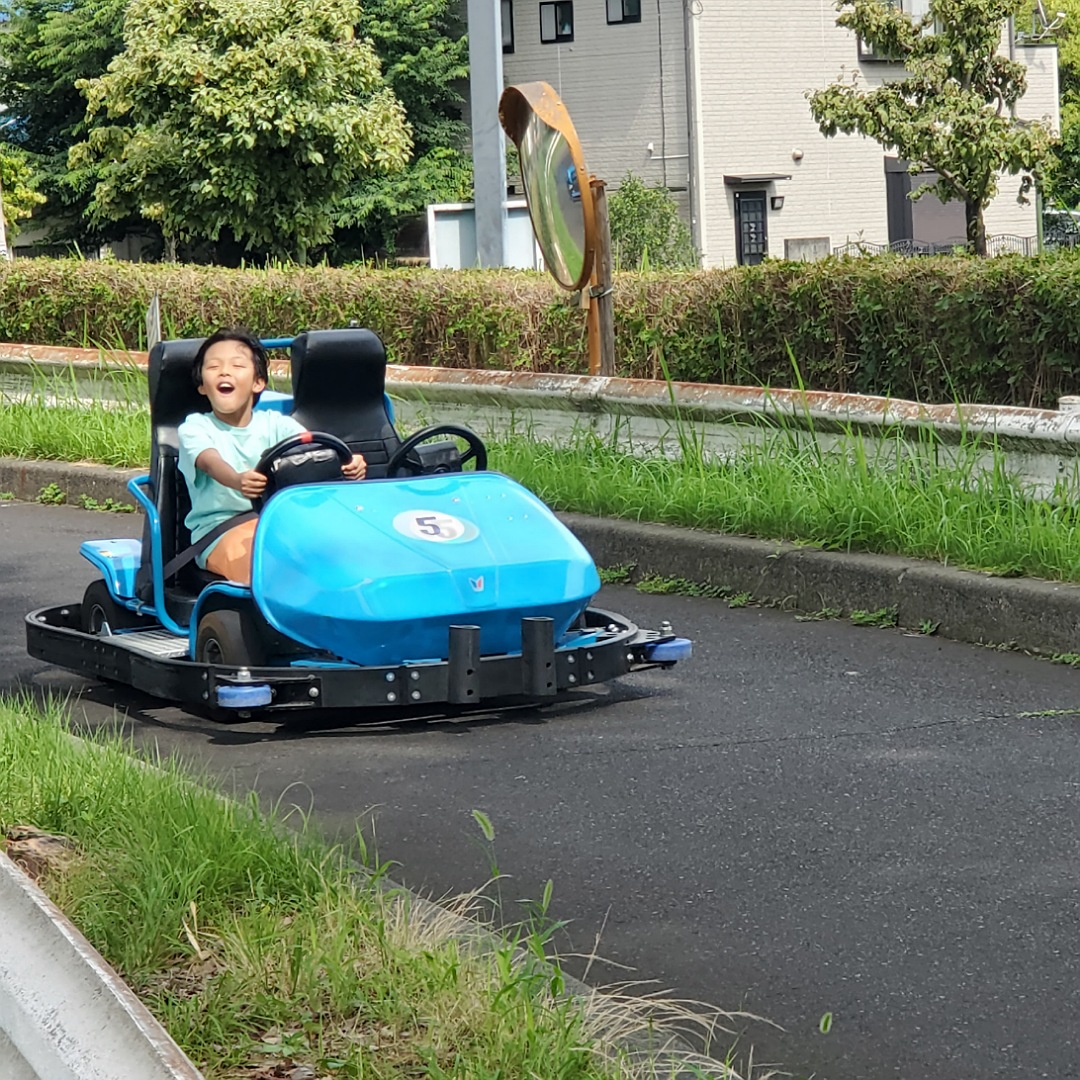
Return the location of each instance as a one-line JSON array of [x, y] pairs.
[[276, 401], [375, 572], [118, 561]]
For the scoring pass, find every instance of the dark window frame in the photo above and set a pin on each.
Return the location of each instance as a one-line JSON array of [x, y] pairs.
[[506, 7], [625, 18], [560, 38]]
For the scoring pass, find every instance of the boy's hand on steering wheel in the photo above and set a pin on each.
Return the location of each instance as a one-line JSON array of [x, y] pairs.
[[252, 484], [356, 469]]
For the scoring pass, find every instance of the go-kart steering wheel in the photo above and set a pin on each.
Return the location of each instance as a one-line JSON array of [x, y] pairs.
[[476, 449], [286, 446]]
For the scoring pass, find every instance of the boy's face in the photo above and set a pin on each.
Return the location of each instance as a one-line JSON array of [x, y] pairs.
[[229, 381]]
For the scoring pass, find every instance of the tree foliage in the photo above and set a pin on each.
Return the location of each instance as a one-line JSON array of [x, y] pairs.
[[47, 46], [251, 116], [425, 57], [646, 230], [951, 112], [1063, 180], [19, 184]]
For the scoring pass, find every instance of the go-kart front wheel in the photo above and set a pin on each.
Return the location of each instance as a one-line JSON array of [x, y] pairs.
[[230, 638], [100, 614]]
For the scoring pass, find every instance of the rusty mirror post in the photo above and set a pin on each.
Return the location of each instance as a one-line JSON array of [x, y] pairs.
[[568, 207]]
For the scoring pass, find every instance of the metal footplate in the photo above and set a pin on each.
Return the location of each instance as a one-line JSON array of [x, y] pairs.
[[159, 643]]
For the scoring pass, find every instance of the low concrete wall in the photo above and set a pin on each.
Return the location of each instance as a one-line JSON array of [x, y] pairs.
[[1042, 446], [64, 1013]]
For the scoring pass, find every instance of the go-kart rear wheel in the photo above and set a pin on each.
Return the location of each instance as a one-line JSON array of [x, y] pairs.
[[229, 637], [100, 614]]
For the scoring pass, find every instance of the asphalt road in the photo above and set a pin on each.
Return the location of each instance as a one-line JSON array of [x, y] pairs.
[[807, 817]]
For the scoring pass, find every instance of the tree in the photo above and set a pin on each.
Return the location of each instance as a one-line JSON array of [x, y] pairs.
[[47, 46], [951, 113], [646, 230], [18, 187], [425, 57], [251, 116], [1062, 184]]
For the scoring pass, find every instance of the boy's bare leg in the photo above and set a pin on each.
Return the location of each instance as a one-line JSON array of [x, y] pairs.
[[231, 555]]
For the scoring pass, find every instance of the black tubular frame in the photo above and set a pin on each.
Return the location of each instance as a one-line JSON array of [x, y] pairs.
[[538, 673]]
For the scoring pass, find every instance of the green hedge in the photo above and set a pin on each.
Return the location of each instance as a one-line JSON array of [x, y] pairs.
[[1003, 330]]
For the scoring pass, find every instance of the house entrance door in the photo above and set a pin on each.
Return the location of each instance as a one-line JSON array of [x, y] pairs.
[[751, 227]]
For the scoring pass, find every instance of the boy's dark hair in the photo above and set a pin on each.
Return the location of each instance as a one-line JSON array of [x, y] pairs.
[[233, 333]]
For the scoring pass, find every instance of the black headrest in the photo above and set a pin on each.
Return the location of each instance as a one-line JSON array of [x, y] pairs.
[[173, 395], [337, 368]]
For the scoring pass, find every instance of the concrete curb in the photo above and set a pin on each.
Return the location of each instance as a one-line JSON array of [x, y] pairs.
[[77, 481], [1023, 613], [64, 1013]]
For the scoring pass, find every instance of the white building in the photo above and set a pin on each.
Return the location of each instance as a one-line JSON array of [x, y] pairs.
[[708, 99]]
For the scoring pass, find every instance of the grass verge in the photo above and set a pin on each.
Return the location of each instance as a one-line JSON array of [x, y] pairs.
[[262, 950], [957, 504]]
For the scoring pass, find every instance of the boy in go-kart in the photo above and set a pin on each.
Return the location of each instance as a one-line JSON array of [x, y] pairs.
[[219, 449]]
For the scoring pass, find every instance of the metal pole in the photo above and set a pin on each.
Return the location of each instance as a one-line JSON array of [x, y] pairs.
[[488, 141], [5, 251], [601, 322]]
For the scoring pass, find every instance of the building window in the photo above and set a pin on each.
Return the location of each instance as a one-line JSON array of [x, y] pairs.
[[557, 22], [507, 8], [623, 11]]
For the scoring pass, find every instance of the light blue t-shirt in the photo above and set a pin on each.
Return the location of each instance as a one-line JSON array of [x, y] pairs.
[[242, 447]]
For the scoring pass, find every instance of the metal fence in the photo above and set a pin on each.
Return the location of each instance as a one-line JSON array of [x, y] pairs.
[[1004, 244], [995, 245]]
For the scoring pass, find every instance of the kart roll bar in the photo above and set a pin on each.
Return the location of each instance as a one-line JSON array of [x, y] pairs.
[[135, 486]]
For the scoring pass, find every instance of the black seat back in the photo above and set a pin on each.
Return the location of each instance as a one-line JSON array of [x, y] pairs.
[[339, 386], [173, 396]]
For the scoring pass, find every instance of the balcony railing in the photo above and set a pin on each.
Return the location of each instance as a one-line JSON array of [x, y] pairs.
[[1061, 230]]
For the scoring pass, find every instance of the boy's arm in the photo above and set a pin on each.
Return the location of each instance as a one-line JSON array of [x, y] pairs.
[[249, 483]]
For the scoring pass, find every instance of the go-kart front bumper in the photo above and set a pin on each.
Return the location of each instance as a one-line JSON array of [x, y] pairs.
[[611, 647]]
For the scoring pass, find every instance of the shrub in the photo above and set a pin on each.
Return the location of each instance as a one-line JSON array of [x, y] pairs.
[[1000, 331], [646, 230]]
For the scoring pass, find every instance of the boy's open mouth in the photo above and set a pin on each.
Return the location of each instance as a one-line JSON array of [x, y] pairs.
[[225, 387]]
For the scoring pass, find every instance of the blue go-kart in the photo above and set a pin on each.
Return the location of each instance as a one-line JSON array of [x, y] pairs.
[[424, 584]]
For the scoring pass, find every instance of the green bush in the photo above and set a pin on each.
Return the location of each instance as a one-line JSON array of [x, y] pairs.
[[646, 229], [999, 331]]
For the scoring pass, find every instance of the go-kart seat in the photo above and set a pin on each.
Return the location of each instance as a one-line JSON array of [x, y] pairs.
[[338, 385], [173, 396]]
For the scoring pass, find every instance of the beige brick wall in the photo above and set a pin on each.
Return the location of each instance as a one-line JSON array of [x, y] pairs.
[[624, 84], [757, 59], [1005, 214]]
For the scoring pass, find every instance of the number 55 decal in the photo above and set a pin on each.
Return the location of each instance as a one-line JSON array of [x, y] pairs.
[[435, 527], [428, 524]]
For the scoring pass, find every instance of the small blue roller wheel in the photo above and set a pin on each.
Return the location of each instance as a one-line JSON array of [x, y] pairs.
[[668, 652], [247, 696]]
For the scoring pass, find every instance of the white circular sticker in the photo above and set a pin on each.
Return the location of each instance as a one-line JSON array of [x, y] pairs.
[[435, 526]]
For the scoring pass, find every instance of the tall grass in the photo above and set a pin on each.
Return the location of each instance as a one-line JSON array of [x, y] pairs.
[[957, 504], [258, 946], [68, 416], [850, 499]]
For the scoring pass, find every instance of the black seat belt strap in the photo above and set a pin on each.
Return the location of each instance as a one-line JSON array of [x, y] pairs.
[[178, 562]]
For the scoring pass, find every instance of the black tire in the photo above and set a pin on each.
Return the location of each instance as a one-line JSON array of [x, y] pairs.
[[98, 608], [229, 637]]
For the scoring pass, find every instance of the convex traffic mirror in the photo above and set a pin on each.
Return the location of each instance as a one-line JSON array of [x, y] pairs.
[[557, 186]]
